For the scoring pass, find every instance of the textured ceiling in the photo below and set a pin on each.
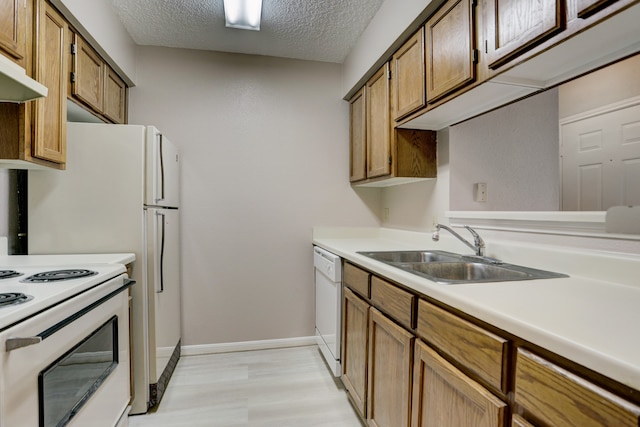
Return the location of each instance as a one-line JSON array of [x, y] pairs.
[[320, 30]]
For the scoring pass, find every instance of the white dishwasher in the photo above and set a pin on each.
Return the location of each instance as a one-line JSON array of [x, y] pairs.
[[328, 282]]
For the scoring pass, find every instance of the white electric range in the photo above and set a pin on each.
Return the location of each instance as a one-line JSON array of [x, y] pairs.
[[64, 341]]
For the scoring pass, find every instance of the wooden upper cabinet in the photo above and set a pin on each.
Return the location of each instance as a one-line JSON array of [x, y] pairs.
[[13, 29], [87, 79], [378, 124], [408, 76], [450, 46], [557, 397], [357, 138], [51, 70], [390, 365], [115, 97], [443, 396], [513, 26], [587, 8]]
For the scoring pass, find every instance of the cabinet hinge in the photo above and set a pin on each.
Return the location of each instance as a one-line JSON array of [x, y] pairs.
[[74, 48], [389, 159], [73, 77], [476, 56], [389, 75], [486, 46]]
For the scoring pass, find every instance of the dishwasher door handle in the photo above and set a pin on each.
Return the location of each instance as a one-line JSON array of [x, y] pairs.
[[15, 343]]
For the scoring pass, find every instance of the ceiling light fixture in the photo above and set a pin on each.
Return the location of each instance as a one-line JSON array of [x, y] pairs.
[[243, 14]]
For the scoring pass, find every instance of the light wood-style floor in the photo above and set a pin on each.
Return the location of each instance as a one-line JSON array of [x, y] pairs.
[[290, 387]]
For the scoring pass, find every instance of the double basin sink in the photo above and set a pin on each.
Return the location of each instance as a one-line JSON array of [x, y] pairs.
[[450, 268]]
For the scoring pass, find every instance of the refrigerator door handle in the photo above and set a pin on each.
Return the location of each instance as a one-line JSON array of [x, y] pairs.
[[161, 164], [160, 283]]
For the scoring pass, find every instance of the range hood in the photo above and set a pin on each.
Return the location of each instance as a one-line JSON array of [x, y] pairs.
[[15, 85]]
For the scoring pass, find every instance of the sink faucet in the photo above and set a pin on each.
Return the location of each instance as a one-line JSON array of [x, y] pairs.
[[478, 243]]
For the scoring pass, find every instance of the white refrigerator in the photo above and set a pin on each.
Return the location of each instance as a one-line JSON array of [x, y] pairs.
[[120, 194]]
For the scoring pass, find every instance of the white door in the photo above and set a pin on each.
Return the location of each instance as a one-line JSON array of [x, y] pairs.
[[162, 166], [600, 158], [163, 287]]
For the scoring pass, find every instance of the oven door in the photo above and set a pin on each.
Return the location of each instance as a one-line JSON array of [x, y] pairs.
[[69, 365]]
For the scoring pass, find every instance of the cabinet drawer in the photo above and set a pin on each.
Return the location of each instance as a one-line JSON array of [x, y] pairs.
[[559, 398], [357, 279], [394, 301], [472, 346]]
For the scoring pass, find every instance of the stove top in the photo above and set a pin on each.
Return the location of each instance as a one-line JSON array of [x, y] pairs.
[[29, 289]]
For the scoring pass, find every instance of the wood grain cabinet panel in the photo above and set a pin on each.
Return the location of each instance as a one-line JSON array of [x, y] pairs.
[[355, 345], [450, 45], [475, 348], [389, 372], [50, 132], [443, 396], [358, 136], [115, 97], [408, 76], [518, 421], [395, 302], [378, 124], [357, 279], [513, 26], [88, 75], [559, 398], [13, 29]]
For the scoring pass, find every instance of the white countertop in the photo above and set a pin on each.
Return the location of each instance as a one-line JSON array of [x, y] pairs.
[[586, 318]]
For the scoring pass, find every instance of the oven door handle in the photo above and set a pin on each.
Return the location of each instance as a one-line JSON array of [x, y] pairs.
[[15, 343], [19, 342]]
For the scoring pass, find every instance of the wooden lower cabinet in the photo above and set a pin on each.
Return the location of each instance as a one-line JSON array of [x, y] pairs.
[[557, 397], [443, 396], [355, 340], [390, 364]]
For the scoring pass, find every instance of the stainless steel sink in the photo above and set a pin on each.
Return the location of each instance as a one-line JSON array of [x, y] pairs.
[[449, 268], [412, 256]]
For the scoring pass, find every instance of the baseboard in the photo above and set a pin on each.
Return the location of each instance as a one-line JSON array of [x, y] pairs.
[[195, 350]]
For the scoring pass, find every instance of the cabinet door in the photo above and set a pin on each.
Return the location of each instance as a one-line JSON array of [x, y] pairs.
[[390, 364], [408, 76], [13, 28], [51, 71], [513, 26], [115, 97], [451, 61], [445, 397], [357, 136], [88, 75], [378, 124], [355, 339]]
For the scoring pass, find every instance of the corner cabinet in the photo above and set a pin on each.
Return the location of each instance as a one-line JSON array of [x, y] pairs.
[[382, 154]]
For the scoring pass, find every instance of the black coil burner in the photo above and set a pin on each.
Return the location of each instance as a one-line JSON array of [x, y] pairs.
[[59, 275], [8, 274], [13, 298]]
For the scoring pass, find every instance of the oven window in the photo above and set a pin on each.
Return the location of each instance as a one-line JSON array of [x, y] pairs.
[[71, 380]]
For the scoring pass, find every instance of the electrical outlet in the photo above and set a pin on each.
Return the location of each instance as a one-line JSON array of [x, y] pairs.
[[480, 192]]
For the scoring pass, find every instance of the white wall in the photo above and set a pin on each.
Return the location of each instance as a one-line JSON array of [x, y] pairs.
[[264, 149], [418, 206], [514, 150]]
